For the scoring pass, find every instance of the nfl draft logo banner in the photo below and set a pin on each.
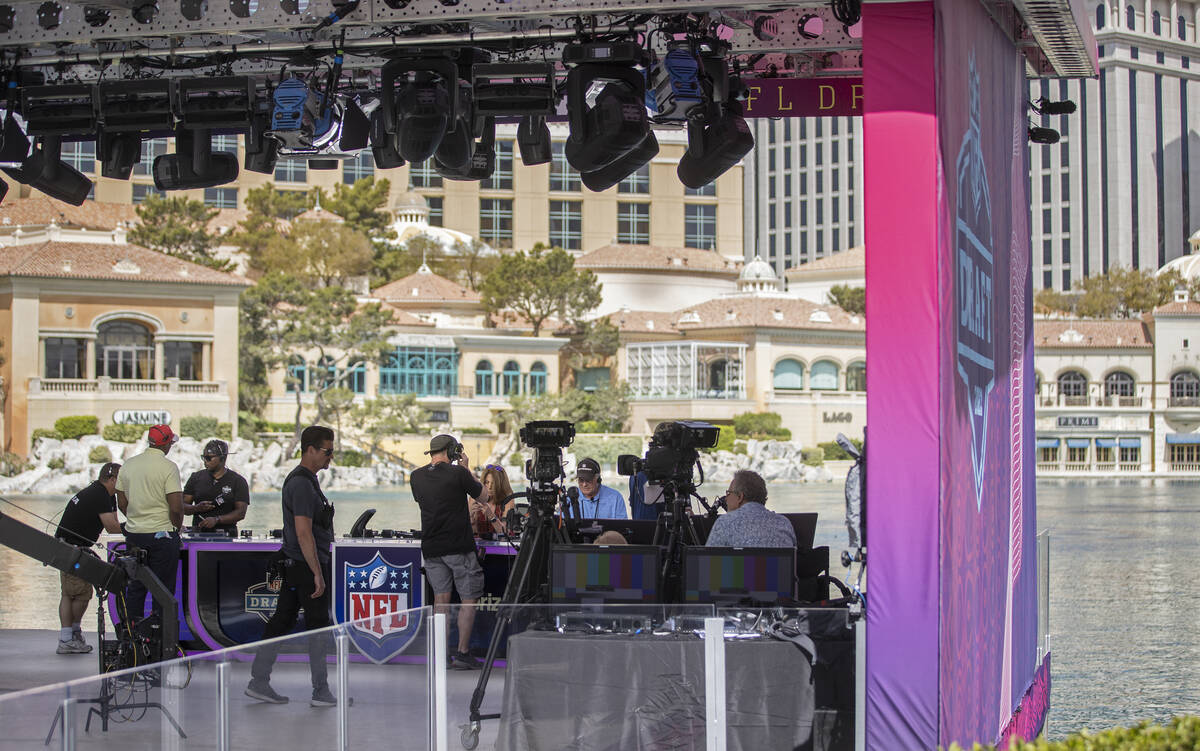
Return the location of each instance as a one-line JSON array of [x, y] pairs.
[[375, 585]]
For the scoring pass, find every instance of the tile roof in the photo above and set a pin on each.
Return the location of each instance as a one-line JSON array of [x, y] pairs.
[[40, 210], [404, 318], [657, 257], [848, 260], [1085, 334], [423, 286], [741, 311], [69, 260], [1179, 308], [643, 321]]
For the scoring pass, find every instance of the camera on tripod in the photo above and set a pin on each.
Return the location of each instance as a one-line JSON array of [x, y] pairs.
[[672, 454], [547, 438]]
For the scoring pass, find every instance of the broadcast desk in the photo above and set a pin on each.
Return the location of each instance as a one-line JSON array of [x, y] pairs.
[[620, 693]]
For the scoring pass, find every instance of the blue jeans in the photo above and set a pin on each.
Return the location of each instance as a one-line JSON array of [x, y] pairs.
[[162, 558]]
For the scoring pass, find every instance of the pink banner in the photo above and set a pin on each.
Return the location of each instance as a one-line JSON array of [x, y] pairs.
[[803, 97]]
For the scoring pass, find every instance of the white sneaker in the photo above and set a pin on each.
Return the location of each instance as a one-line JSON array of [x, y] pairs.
[[73, 647]]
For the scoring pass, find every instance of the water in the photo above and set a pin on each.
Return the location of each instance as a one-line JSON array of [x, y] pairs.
[[1124, 586]]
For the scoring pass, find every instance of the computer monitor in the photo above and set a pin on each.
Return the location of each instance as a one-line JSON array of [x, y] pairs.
[[604, 574], [805, 527], [727, 576]]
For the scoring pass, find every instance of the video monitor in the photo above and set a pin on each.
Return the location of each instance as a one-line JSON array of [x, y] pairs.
[[728, 576], [604, 574]]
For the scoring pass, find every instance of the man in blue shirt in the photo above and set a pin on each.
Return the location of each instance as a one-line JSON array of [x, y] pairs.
[[749, 523], [597, 501]]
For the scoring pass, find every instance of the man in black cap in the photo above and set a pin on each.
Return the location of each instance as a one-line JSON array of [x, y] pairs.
[[90, 510], [217, 497], [596, 500], [442, 489]]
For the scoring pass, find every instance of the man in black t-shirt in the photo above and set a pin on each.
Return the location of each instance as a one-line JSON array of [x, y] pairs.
[[90, 510], [216, 496], [442, 488]]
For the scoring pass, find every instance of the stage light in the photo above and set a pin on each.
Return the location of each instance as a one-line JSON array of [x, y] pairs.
[[766, 28], [676, 86], [222, 103], [633, 160], [483, 158], [118, 152], [513, 89], [261, 151], [458, 143], [64, 110], [45, 170], [1044, 106], [383, 144], [715, 143], [810, 26], [136, 106], [1045, 136], [194, 165], [305, 125], [606, 103], [533, 140], [419, 109], [15, 145]]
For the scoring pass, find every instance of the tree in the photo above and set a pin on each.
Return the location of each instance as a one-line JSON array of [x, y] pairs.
[[270, 210], [177, 226], [394, 262], [592, 344], [608, 407], [540, 283], [339, 400], [318, 252], [388, 416], [474, 262], [1052, 301], [265, 322], [360, 205], [849, 299]]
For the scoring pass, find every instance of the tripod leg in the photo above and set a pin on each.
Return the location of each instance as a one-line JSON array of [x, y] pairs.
[[170, 719], [58, 718]]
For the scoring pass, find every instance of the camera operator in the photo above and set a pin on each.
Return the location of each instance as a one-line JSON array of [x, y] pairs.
[[441, 488], [216, 496], [307, 537], [150, 496], [90, 510], [749, 523], [596, 500]]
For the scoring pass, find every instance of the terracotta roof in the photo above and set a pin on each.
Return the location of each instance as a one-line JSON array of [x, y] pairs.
[[848, 260], [1178, 308], [741, 311], [643, 321], [404, 318], [423, 286], [657, 257], [513, 321], [227, 220], [1085, 334], [100, 261], [318, 214], [40, 210]]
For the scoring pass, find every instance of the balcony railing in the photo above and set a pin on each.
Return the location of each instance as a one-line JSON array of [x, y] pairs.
[[1185, 466], [104, 385], [1184, 401], [444, 392], [1145, 395]]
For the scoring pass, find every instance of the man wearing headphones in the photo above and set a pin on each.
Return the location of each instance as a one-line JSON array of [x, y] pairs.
[[217, 497], [596, 500]]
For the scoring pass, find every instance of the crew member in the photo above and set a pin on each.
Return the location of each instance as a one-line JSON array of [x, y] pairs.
[[215, 495], [150, 496], [90, 510], [442, 488], [307, 537], [489, 517], [596, 500], [749, 523]]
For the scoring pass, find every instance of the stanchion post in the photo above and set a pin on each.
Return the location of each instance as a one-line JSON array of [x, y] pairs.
[[714, 683], [440, 699], [343, 683], [860, 684], [223, 729], [68, 725]]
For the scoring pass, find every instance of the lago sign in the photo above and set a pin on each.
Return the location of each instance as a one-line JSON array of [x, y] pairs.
[[141, 417]]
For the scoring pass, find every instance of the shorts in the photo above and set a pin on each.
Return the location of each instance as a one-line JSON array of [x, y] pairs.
[[458, 570], [74, 587]]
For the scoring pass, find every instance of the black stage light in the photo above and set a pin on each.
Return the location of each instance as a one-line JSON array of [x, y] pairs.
[[220, 103], [45, 170], [3, 189], [66, 110], [458, 144], [324, 164], [601, 134], [418, 109], [356, 128], [533, 140], [15, 145], [483, 158], [194, 165], [716, 142], [513, 88], [136, 106], [1044, 106], [383, 144], [261, 151], [1045, 136], [611, 174], [118, 152]]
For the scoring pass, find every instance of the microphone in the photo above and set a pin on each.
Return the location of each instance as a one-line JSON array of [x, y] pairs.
[[573, 495]]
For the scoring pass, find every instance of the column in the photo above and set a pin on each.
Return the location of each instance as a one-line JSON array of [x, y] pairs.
[[205, 362], [158, 360], [90, 359]]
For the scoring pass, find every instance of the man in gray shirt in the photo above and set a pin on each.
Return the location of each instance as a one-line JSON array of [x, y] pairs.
[[749, 523], [307, 536]]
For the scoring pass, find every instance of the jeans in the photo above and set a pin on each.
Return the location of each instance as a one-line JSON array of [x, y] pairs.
[[294, 595], [162, 558]]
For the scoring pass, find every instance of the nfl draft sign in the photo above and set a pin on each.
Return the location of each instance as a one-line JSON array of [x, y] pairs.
[[375, 584]]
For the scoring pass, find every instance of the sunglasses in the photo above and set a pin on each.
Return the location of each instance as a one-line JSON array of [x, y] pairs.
[[209, 457], [496, 467], [326, 452]]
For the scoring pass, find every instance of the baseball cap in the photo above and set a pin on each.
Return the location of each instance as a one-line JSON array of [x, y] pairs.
[[109, 470], [216, 447], [162, 435], [587, 468], [440, 443]]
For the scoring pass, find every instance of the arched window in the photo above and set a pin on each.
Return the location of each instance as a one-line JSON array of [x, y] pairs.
[[537, 378], [1101, 12], [789, 375], [124, 349], [1157, 23], [1181, 27], [323, 374], [1072, 387], [1185, 389], [856, 376], [297, 375], [1118, 384], [1130, 18], [484, 378], [824, 376], [510, 380]]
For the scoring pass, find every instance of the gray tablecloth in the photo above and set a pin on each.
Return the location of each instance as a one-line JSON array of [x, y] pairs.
[[627, 693]]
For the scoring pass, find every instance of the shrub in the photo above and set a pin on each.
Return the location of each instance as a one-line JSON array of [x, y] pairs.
[[813, 457], [761, 425], [834, 452], [279, 427], [44, 433], [1180, 732], [56, 463], [198, 427], [590, 426], [251, 423], [11, 464], [99, 455], [606, 450], [124, 433], [224, 431], [476, 431], [516, 459], [349, 458], [725, 441], [77, 426]]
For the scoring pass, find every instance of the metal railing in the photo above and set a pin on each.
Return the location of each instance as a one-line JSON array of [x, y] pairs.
[[105, 385]]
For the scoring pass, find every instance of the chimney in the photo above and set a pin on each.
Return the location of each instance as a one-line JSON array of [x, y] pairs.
[[1181, 294]]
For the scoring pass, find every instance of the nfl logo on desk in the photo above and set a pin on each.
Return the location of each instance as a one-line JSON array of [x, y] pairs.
[[373, 595]]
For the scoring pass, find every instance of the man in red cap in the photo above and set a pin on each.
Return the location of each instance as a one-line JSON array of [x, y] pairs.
[[151, 497]]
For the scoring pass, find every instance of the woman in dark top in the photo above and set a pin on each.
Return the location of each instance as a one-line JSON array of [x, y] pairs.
[[496, 481]]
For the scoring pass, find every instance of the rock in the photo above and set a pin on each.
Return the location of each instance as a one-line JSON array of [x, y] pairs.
[[271, 455]]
